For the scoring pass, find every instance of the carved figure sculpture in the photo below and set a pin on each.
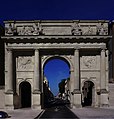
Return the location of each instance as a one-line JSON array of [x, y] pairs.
[[89, 31], [9, 30], [76, 30], [101, 29]]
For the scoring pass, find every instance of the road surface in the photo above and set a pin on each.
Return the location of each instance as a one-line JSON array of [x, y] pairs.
[[58, 112]]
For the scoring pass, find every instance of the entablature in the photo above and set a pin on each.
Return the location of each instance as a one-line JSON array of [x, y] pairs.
[[56, 46], [56, 37]]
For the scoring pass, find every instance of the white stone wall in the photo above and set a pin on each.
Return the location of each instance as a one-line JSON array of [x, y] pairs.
[[2, 99], [24, 70], [90, 71], [71, 35]]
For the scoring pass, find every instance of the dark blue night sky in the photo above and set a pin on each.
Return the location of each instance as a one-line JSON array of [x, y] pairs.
[[58, 10]]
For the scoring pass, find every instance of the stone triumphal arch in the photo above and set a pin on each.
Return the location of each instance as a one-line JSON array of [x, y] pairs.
[[30, 44]]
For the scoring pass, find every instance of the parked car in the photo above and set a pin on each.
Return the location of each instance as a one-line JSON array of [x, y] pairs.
[[3, 114]]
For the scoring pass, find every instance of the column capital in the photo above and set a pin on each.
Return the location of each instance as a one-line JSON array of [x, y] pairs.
[[76, 48], [71, 70], [103, 91], [76, 91], [103, 50], [36, 49], [9, 91], [9, 49], [35, 91]]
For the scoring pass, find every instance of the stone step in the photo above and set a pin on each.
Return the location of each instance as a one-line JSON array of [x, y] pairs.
[[111, 94]]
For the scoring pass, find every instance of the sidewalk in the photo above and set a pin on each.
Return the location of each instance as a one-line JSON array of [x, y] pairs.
[[26, 113], [94, 113], [82, 113]]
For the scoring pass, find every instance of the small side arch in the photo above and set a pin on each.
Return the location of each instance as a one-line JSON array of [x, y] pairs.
[[25, 94], [88, 93], [23, 80]]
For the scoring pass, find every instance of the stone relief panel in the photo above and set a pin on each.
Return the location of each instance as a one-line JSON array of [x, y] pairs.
[[25, 63], [57, 30], [79, 27], [9, 29], [88, 62], [89, 28], [23, 29], [102, 29]]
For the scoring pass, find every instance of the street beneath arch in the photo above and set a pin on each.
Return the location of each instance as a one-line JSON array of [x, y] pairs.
[[58, 112]]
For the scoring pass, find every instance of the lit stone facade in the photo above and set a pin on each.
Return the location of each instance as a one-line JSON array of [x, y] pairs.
[[82, 44]]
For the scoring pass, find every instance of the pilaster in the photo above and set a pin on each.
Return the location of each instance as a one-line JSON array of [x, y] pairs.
[[76, 92], [36, 88], [9, 82], [103, 91], [103, 69]]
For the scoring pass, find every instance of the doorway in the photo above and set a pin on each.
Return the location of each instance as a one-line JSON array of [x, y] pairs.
[[25, 94], [56, 70], [87, 93]]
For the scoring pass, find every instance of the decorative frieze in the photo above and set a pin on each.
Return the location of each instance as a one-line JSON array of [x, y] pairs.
[[89, 29], [33, 29], [62, 28]]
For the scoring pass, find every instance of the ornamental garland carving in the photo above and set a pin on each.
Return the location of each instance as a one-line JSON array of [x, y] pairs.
[[25, 63], [89, 62]]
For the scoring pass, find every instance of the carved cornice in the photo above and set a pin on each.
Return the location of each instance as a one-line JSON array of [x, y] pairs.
[[9, 49], [56, 45], [56, 37]]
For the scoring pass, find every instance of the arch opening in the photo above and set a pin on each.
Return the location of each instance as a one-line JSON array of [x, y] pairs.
[[25, 94], [87, 93], [56, 70]]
